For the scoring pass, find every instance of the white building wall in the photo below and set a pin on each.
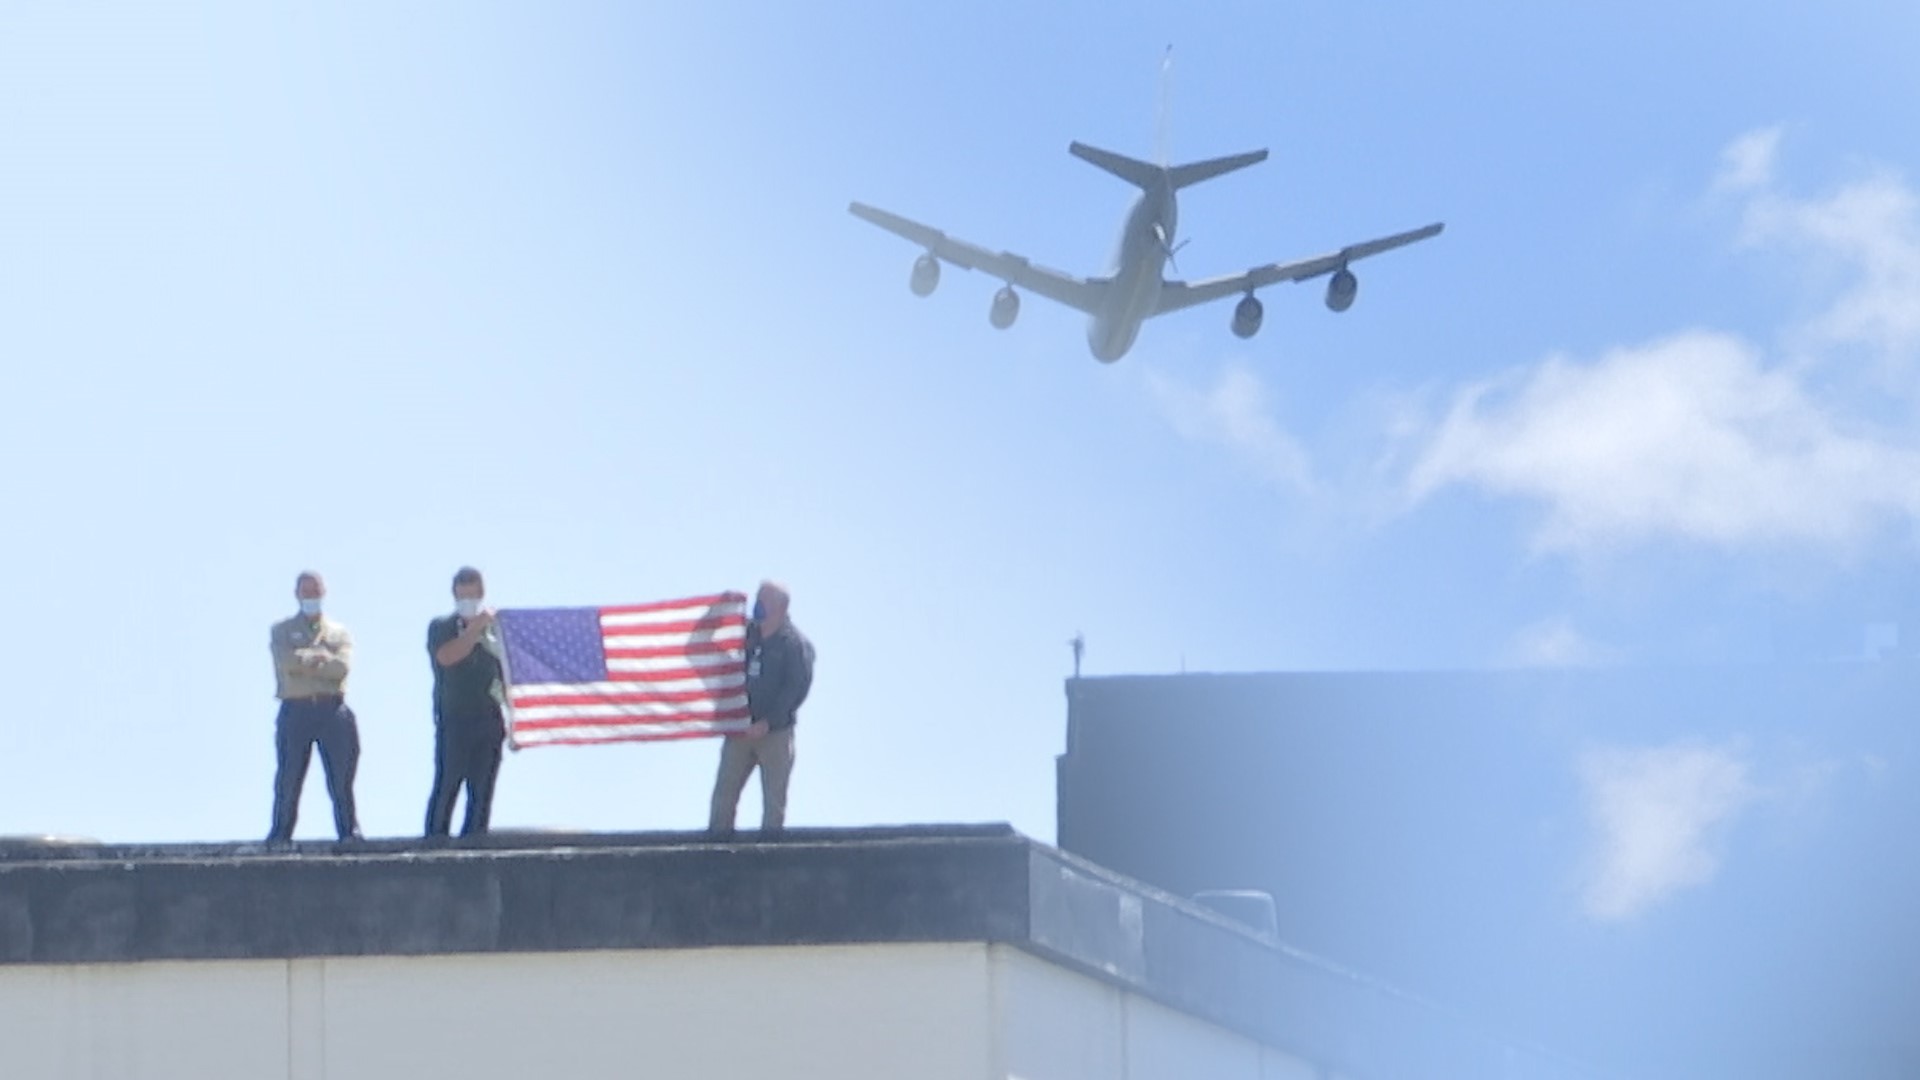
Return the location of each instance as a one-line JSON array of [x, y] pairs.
[[818, 1012], [1057, 1024], [67, 1022], [964, 1011]]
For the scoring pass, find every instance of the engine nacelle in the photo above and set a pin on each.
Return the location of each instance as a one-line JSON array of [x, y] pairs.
[[926, 275], [1006, 308], [1246, 317], [1341, 290]]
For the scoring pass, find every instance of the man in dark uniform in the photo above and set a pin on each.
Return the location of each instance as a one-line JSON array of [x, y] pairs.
[[779, 676], [468, 727], [312, 655]]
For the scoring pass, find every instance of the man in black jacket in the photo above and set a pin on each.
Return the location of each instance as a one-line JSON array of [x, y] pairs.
[[779, 675], [468, 727]]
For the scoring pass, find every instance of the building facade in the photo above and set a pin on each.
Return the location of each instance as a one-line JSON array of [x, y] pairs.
[[945, 953]]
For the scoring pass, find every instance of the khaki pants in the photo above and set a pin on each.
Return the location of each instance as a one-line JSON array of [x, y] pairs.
[[773, 753]]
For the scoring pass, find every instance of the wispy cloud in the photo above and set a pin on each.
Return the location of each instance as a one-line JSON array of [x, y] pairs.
[[1702, 435], [1660, 816], [1692, 437], [1234, 412], [1557, 643], [1747, 162], [1866, 233]]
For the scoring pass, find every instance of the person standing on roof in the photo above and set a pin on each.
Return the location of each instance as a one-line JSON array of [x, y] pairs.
[[311, 657], [468, 726], [779, 677]]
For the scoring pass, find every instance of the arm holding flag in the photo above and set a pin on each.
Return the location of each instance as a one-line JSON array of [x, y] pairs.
[[459, 647], [785, 677]]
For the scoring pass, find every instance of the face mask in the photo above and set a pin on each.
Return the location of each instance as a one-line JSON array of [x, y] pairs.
[[759, 611], [466, 608], [309, 606]]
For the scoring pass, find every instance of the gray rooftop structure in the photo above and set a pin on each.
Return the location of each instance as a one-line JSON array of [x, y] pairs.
[[1669, 871]]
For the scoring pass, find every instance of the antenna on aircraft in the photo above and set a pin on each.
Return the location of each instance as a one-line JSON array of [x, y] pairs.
[[1160, 148]]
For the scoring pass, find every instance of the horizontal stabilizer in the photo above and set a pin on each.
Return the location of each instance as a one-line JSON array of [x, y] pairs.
[[1147, 177], [1132, 170], [1183, 175]]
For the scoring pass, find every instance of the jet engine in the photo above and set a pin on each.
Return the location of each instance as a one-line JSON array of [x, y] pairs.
[[1341, 289], [1246, 317], [1006, 307], [926, 275]]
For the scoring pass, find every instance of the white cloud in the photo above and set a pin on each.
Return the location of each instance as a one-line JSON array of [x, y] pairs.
[[1700, 435], [1747, 162], [1867, 231], [1234, 413], [1690, 436], [1659, 816], [1557, 643]]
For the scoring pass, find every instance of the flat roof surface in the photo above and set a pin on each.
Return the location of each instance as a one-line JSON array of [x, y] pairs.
[[78, 902]]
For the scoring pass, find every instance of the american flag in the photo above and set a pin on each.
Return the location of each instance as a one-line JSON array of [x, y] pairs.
[[669, 670]]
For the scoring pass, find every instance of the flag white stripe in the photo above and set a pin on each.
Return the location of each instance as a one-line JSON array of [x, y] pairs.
[[591, 691], [619, 710], [676, 639], [725, 668], [640, 619], [619, 731]]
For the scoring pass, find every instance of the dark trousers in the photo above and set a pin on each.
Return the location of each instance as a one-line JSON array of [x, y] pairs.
[[466, 750], [301, 724]]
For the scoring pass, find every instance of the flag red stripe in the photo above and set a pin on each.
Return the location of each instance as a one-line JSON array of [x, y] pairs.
[[722, 674], [669, 605], [654, 697], [595, 740]]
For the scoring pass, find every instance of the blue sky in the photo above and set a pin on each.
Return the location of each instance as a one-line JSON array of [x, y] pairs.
[[571, 294]]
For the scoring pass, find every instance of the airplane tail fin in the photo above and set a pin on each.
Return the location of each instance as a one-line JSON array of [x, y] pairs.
[[1144, 175], [1162, 123]]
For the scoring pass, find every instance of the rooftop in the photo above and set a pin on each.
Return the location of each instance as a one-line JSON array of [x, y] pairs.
[[80, 902]]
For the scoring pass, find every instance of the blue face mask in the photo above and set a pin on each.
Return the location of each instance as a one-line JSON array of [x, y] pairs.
[[309, 606], [759, 611]]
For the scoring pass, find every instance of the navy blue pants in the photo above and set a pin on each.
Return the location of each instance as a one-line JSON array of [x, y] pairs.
[[301, 725], [466, 750]]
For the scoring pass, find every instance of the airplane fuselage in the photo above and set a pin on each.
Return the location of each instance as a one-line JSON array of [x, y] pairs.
[[1145, 241]]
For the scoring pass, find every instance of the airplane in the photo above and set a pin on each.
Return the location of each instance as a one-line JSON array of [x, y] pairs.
[[1133, 290]]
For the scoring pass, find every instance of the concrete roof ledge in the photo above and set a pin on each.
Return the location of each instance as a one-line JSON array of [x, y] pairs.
[[75, 902]]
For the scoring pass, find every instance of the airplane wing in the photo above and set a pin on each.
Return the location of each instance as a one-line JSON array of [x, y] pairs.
[[1085, 294], [1175, 295]]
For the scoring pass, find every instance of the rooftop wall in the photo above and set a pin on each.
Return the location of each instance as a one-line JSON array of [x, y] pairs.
[[425, 917]]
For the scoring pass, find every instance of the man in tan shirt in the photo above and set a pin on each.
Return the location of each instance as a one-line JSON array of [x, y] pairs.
[[311, 657]]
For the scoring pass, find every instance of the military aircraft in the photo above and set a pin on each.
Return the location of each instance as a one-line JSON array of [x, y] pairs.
[[1134, 290]]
